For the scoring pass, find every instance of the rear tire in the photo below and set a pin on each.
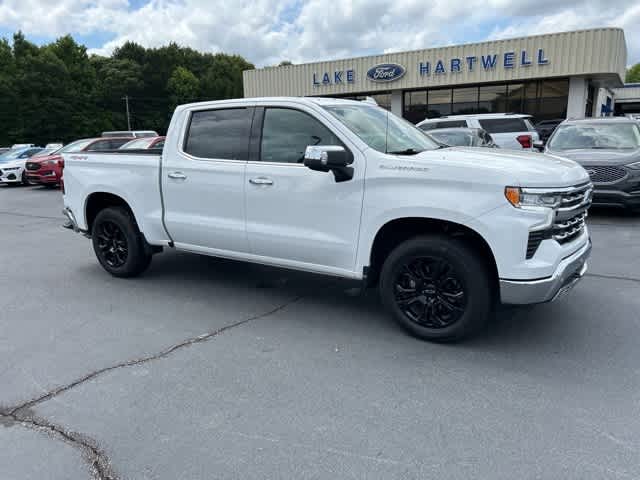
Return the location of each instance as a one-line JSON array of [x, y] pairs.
[[437, 288], [118, 243]]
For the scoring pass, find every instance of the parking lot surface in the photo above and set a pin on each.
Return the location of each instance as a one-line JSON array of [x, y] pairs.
[[204, 368]]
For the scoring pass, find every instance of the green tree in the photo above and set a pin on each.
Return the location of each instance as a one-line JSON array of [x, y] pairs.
[[633, 74], [183, 86]]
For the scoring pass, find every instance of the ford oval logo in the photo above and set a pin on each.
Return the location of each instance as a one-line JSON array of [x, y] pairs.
[[386, 72]]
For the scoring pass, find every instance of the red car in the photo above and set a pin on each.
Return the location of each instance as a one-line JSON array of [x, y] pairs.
[[48, 170]]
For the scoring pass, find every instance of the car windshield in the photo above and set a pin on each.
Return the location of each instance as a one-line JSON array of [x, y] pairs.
[[616, 136], [138, 143], [46, 152], [12, 155], [382, 130], [76, 146], [455, 139]]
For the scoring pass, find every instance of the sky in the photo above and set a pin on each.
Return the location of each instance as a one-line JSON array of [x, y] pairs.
[[266, 32]]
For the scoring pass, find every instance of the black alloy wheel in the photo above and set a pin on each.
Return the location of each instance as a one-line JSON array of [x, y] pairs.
[[437, 287], [112, 244], [429, 292]]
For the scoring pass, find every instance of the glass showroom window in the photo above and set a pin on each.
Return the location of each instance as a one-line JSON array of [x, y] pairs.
[[439, 102], [465, 101], [415, 106], [493, 99]]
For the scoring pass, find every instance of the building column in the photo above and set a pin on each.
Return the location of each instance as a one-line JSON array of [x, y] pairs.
[[396, 102], [577, 101]]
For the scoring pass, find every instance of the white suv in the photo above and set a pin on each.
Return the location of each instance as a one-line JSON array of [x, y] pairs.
[[508, 130]]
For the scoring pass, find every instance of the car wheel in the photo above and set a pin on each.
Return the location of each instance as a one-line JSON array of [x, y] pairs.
[[437, 288], [118, 243]]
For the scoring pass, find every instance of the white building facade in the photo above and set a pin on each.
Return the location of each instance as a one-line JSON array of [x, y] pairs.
[[559, 75]]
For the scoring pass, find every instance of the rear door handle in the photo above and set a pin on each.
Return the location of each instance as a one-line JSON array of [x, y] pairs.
[[261, 181], [177, 175]]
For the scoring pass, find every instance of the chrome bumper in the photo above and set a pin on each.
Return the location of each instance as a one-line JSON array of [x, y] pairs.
[[569, 272], [71, 223]]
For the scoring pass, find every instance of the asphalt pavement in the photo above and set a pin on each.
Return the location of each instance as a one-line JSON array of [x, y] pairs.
[[206, 368]]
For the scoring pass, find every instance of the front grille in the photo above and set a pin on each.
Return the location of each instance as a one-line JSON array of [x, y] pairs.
[[569, 220], [33, 166], [606, 174], [564, 231]]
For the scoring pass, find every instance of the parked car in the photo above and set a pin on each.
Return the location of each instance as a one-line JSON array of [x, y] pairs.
[[131, 133], [145, 143], [508, 130], [462, 137], [47, 170], [609, 149], [348, 189], [4, 150], [12, 164], [546, 127]]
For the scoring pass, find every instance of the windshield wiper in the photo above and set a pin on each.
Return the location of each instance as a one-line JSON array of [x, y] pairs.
[[408, 151]]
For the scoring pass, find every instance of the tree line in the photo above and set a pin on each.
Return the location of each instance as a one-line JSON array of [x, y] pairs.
[[59, 93]]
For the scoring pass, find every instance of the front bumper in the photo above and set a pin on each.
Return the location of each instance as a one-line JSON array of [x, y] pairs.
[[43, 179], [616, 198], [11, 176], [569, 272]]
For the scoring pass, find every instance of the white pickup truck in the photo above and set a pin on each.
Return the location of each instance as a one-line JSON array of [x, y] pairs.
[[342, 188]]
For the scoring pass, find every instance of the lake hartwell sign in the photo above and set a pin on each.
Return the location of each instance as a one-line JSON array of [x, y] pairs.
[[390, 72]]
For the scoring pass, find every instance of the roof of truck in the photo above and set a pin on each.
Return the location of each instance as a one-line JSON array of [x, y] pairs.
[[304, 100]]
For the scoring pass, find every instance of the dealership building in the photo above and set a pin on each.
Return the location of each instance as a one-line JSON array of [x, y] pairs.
[[558, 75]]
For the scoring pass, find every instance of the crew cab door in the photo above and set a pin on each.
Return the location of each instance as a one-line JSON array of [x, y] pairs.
[[295, 216], [203, 180]]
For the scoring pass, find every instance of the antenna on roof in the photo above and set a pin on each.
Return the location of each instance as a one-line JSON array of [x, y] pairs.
[[370, 100]]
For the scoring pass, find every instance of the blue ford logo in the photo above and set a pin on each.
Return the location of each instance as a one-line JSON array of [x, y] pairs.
[[386, 72]]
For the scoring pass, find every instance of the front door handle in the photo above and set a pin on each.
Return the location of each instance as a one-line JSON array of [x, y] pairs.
[[177, 175], [261, 181]]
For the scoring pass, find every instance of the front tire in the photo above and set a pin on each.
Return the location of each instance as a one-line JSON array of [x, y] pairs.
[[437, 288], [118, 243], [25, 180]]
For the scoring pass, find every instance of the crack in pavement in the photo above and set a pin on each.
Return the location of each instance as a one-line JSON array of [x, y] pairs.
[[28, 215], [96, 458], [99, 462]]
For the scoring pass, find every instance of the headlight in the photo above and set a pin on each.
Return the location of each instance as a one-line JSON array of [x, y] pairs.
[[520, 198], [51, 162], [10, 169], [634, 166]]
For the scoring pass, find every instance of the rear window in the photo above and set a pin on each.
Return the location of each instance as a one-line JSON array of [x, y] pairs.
[[220, 134], [444, 124], [504, 125]]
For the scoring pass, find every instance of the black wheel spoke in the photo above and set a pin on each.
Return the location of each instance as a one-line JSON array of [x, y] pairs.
[[429, 292], [112, 244]]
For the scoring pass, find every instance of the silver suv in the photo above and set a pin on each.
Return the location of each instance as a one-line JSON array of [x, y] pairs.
[[508, 130]]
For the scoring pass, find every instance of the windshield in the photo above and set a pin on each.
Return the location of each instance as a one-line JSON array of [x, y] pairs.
[[456, 139], [46, 152], [382, 130], [76, 146], [12, 155], [592, 135], [138, 143]]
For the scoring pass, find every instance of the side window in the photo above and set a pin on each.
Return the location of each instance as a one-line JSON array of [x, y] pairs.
[[504, 125], [99, 145], [220, 134], [286, 134]]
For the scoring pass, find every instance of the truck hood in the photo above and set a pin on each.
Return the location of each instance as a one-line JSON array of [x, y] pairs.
[[525, 168], [590, 156]]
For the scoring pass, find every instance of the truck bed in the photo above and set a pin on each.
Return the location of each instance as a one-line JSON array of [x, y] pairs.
[[132, 175]]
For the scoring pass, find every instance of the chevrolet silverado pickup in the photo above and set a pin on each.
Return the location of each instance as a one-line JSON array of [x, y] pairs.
[[347, 189]]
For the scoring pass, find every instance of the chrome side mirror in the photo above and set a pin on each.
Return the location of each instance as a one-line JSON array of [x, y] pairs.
[[330, 158]]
